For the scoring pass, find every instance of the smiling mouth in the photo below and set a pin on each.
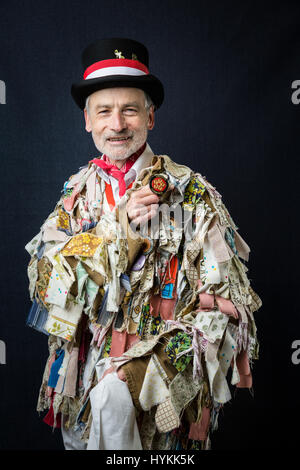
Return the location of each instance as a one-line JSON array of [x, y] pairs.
[[118, 139]]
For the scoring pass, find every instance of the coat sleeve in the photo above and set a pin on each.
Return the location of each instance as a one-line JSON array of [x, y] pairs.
[[223, 304], [72, 257]]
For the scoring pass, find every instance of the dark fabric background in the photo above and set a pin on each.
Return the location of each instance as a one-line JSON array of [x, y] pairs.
[[227, 68]]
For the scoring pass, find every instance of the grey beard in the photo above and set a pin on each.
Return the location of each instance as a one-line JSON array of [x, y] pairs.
[[136, 145]]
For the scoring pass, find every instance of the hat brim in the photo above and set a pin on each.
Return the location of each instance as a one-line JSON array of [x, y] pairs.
[[149, 83]]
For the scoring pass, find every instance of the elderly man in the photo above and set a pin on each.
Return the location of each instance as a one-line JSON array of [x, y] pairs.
[[137, 279]]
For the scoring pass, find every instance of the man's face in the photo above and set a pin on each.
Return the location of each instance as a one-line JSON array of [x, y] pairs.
[[119, 121]]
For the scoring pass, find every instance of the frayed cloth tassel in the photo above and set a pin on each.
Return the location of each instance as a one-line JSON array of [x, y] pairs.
[[50, 419], [214, 417], [207, 444], [242, 337], [99, 334], [198, 349]]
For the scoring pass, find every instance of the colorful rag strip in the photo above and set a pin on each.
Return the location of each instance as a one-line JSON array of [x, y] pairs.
[[156, 325], [178, 344], [53, 377], [63, 222], [143, 320], [193, 192], [84, 244], [170, 278], [37, 317]]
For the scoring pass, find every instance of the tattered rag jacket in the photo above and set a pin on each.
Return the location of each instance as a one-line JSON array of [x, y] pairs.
[[170, 303]]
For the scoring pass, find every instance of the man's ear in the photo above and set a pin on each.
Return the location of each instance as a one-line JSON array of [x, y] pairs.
[[88, 126], [151, 119]]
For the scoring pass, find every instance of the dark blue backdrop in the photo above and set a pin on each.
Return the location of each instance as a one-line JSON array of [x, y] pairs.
[[228, 69]]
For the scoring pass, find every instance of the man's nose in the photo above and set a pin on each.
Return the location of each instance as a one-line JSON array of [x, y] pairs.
[[118, 122]]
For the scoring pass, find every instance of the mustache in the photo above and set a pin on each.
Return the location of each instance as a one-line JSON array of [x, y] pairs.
[[119, 134]]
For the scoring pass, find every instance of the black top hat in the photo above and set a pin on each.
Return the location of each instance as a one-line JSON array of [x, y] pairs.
[[116, 62]]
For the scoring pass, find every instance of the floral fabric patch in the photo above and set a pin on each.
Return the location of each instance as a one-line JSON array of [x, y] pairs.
[[63, 322], [84, 244], [178, 344], [156, 324], [193, 192], [143, 320], [43, 281], [63, 222], [107, 347]]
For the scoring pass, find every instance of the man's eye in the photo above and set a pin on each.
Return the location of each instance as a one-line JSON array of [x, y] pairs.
[[103, 111], [130, 110]]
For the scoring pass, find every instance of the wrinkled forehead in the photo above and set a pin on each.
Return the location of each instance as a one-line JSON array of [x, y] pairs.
[[116, 97]]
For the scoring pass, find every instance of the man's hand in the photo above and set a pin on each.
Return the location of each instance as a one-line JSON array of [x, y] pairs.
[[120, 373], [142, 205]]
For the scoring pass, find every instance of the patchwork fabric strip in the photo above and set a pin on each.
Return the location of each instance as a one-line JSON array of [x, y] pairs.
[[143, 320], [43, 281], [107, 346], [37, 317], [230, 238], [63, 322], [170, 279], [211, 324], [54, 376], [166, 417], [193, 193], [156, 325], [167, 292], [177, 345], [56, 292], [63, 222], [154, 389], [84, 244]]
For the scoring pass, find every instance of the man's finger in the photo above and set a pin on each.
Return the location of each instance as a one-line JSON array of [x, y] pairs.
[[139, 210], [148, 199], [149, 215]]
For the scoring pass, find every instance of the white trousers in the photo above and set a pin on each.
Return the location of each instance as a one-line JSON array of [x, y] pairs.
[[72, 439], [114, 424]]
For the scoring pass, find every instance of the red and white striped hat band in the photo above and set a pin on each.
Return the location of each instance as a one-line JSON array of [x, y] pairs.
[[107, 67]]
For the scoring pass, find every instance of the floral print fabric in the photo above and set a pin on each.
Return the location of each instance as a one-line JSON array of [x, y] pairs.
[[177, 345]]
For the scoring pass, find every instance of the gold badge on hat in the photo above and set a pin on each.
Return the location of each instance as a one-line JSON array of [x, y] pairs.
[[118, 54]]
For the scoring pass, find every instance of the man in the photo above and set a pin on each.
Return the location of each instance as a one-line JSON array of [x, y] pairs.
[[137, 278]]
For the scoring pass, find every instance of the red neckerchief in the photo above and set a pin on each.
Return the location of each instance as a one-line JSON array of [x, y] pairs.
[[119, 173]]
